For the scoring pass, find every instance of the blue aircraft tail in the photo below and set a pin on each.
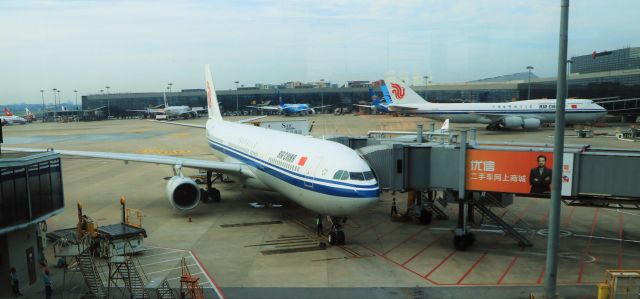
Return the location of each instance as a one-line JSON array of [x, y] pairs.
[[280, 100], [385, 94]]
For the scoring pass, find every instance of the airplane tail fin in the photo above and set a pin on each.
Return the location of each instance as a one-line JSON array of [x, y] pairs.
[[403, 94], [27, 111], [212, 99], [164, 98], [445, 125], [7, 112], [372, 95], [280, 100], [385, 94]]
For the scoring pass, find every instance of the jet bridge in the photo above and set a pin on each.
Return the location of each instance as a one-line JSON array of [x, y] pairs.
[[485, 176]]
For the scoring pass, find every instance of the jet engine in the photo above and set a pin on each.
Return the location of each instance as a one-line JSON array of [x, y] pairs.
[[531, 123], [512, 122], [183, 193]]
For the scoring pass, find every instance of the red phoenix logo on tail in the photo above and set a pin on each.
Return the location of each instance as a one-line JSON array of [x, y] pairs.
[[397, 90]]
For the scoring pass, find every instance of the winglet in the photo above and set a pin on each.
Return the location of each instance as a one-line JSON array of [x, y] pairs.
[[212, 99]]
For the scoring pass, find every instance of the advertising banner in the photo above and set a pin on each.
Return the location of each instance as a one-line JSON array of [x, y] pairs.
[[514, 171]]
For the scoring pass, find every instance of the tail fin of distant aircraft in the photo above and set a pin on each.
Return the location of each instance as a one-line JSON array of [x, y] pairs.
[[445, 125], [385, 94], [280, 100], [212, 99], [164, 98], [27, 111], [64, 108], [7, 112], [403, 94], [372, 95]]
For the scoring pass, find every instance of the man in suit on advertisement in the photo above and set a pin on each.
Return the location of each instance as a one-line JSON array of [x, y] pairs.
[[540, 177]]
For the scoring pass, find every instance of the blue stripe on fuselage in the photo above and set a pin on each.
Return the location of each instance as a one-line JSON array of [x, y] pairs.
[[346, 191], [496, 112]]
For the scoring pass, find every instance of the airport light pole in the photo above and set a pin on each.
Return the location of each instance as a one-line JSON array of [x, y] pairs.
[[59, 98], [237, 106], [43, 110], [529, 85], [55, 104], [77, 110], [553, 237], [426, 84], [108, 102]]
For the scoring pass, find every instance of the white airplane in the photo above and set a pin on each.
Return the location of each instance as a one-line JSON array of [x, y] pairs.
[[10, 119], [527, 114], [171, 112], [323, 176]]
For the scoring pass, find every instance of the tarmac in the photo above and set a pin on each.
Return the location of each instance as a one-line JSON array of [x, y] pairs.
[[258, 244]]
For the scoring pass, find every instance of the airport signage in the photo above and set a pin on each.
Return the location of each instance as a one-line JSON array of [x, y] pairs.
[[515, 172]]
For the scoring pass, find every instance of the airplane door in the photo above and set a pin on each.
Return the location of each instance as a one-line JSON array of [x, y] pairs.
[[312, 164]]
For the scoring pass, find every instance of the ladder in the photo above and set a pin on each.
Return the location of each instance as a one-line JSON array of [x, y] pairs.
[[126, 270], [89, 270], [164, 291], [507, 228]]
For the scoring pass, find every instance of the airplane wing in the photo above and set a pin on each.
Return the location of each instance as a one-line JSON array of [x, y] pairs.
[[365, 106], [96, 108], [248, 120], [203, 126], [233, 169], [180, 124], [266, 107], [396, 107], [318, 107], [498, 116]]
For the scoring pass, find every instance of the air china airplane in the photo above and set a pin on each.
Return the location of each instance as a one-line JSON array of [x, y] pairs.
[[289, 109], [528, 114], [171, 111], [323, 176], [9, 118]]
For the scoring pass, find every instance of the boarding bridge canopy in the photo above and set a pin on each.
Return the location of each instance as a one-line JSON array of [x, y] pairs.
[[499, 167]]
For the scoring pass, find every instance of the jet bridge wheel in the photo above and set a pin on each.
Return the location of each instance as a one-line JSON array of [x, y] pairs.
[[463, 242], [426, 217]]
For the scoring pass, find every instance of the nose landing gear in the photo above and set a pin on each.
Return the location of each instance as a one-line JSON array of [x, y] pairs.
[[336, 234]]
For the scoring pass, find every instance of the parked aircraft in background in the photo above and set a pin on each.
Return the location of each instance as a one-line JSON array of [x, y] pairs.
[[171, 112], [376, 103], [323, 176], [527, 114], [9, 118], [289, 109]]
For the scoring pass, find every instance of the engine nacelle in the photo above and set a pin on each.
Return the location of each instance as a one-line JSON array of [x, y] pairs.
[[512, 122], [531, 123], [183, 193]]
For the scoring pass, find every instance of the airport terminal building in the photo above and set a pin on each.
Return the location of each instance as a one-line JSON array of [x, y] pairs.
[[610, 74]]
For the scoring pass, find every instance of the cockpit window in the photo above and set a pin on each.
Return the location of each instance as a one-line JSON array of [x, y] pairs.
[[341, 175], [368, 175], [357, 176]]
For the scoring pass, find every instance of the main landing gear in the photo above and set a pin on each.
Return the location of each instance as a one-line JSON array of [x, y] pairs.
[[210, 194], [336, 234], [493, 127]]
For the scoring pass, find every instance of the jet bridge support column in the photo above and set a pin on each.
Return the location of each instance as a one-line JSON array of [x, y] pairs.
[[463, 238]]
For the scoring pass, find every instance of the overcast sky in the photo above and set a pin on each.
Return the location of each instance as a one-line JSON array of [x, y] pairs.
[[138, 46]]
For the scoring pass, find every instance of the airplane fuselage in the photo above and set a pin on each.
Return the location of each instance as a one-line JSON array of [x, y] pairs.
[[577, 111], [294, 108], [298, 167]]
